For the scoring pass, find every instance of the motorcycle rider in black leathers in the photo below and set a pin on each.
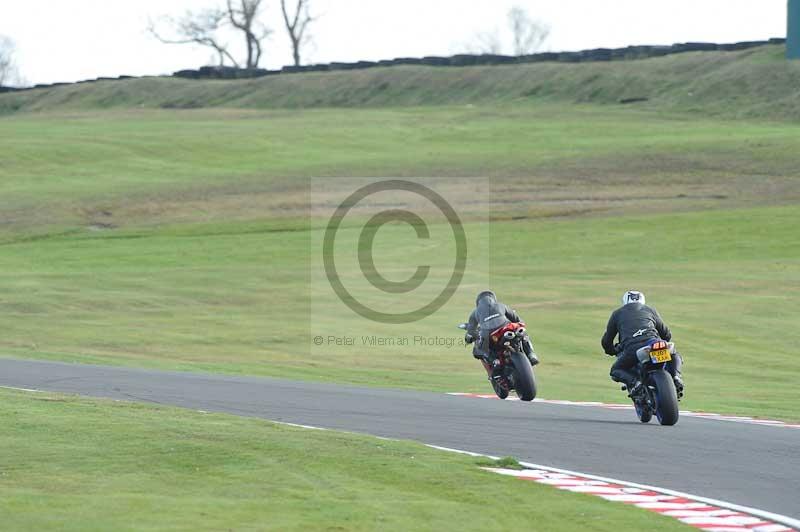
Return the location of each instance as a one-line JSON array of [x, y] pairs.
[[489, 315], [637, 325]]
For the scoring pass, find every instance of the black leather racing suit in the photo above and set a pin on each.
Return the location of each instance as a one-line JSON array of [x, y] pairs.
[[490, 315], [636, 325]]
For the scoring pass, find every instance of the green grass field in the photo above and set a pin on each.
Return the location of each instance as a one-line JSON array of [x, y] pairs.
[[80, 464], [147, 167]]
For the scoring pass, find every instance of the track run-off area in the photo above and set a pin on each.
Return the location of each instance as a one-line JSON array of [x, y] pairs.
[[746, 463]]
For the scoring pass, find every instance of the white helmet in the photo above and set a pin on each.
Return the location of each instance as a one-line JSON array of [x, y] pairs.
[[632, 296]]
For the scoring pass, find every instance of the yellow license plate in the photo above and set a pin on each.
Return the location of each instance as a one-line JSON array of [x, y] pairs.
[[662, 355]]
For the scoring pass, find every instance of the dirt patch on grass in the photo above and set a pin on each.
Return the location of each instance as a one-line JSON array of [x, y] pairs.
[[512, 198]]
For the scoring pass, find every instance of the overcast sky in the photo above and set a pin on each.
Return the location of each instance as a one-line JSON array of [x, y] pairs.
[[67, 40]]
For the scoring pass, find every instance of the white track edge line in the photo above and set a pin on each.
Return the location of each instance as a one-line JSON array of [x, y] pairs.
[[20, 389], [778, 518]]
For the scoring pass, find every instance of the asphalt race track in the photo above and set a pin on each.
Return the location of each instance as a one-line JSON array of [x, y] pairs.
[[750, 465]]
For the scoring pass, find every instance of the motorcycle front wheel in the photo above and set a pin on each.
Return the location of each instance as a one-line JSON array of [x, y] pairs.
[[499, 389], [642, 412]]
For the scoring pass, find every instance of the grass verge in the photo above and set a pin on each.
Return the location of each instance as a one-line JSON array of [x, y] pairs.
[[81, 464]]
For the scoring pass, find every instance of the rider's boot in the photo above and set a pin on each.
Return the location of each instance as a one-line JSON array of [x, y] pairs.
[[678, 379], [476, 353], [635, 388], [492, 364], [527, 347]]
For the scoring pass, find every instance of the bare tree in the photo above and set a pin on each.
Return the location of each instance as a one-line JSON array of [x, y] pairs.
[[208, 28], [296, 25], [8, 67], [528, 34], [202, 28], [243, 15]]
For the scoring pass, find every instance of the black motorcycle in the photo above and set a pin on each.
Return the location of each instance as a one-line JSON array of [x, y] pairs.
[[510, 368], [658, 394]]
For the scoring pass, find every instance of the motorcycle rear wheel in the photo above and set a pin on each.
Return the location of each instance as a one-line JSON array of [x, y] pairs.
[[666, 398], [524, 381]]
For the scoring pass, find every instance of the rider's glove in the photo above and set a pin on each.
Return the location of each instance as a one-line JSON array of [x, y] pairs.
[[468, 338]]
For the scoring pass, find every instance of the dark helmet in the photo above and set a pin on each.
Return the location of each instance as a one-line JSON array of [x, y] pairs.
[[485, 294]]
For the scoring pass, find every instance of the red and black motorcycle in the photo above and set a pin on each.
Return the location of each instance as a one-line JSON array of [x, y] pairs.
[[509, 368]]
